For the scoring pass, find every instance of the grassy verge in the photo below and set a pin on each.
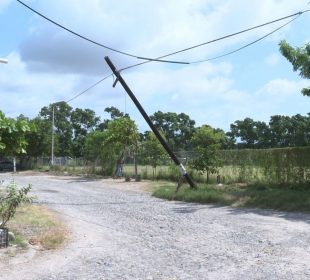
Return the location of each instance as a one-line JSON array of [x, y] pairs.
[[286, 198], [36, 225]]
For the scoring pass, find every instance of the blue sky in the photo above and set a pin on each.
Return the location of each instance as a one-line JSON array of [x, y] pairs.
[[47, 64]]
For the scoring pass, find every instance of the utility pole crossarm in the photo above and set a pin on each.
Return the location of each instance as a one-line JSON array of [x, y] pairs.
[[150, 123]]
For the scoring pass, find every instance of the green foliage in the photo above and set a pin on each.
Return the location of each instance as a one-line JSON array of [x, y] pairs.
[[300, 59], [13, 135], [70, 130], [10, 200], [109, 145], [63, 127], [153, 151], [94, 145], [3, 126], [206, 144], [252, 134], [83, 122], [282, 131], [177, 128], [40, 138], [121, 132]]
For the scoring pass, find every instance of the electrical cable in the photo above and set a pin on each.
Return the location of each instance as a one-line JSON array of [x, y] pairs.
[[214, 40], [75, 33], [198, 61], [245, 46], [89, 88], [92, 41], [158, 59]]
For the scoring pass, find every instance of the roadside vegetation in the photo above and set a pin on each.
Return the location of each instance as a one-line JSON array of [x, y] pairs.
[[29, 223], [36, 225], [277, 197]]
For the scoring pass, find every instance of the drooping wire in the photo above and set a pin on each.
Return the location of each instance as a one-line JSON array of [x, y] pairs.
[[158, 59], [245, 46], [173, 53], [89, 88], [75, 33], [194, 62], [214, 40], [88, 39]]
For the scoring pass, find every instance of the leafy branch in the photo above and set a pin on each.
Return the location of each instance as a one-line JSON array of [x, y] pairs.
[[10, 199]]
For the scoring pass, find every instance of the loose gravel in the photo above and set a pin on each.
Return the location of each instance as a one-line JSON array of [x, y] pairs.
[[117, 233]]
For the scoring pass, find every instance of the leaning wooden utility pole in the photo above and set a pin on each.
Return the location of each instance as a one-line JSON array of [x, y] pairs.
[[150, 123]]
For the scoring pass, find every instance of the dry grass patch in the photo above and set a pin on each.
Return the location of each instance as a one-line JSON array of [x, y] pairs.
[[37, 225]]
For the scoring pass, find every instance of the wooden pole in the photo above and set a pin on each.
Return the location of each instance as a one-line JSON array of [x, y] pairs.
[[150, 123]]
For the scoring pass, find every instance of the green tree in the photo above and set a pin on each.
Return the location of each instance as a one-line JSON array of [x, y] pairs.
[[206, 145], [263, 133], [13, 136], [94, 145], [83, 122], [153, 151], [300, 59], [121, 134], [110, 145], [299, 131], [114, 114], [177, 128], [3, 127], [63, 127], [245, 132], [40, 138], [280, 131]]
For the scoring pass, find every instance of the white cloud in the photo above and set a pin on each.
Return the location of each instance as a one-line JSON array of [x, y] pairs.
[[24, 92], [282, 87], [273, 59], [4, 4]]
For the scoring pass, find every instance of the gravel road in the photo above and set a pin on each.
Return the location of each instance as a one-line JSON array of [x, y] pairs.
[[120, 232]]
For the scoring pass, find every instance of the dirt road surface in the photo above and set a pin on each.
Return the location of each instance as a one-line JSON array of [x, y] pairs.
[[118, 231]]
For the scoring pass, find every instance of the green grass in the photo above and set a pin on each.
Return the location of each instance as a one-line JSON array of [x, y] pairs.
[[19, 241], [285, 198]]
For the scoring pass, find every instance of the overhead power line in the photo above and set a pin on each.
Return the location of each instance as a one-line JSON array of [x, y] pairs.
[[234, 34], [245, 46], [158, 59], [194, 62], [91, 40], [75, 33], [215, 40], [89, 88]]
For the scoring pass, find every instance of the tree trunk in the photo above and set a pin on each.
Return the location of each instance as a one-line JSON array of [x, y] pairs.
[[119, 166], [136, 163], [208, 176]]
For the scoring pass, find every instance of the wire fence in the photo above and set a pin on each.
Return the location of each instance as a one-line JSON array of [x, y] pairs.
[[282, 166]]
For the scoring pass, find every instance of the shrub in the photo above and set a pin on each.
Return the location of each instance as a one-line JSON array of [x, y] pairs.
[[10, 199]]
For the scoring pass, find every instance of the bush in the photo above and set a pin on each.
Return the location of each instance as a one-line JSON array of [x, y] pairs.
[[10, 199]]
